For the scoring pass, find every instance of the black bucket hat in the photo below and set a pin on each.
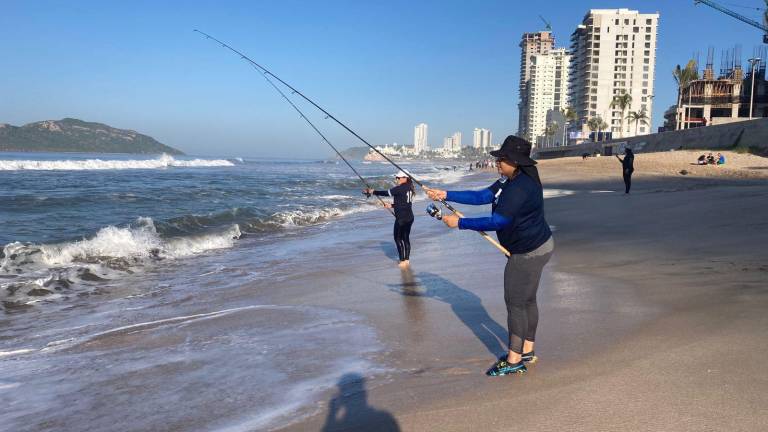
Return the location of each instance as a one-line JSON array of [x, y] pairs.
[[515, 149]]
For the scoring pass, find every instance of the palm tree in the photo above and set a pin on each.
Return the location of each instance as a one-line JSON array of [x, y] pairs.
[[683, 78], [638, 117], [550, 131], [596, 124], [603, 126], [622, 102]]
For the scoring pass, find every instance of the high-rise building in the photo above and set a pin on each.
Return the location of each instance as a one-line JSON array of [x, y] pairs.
[[613, 52], [456, 141], [547, 90], [448, 143], [481, 139], [530, 45], [420, 143]]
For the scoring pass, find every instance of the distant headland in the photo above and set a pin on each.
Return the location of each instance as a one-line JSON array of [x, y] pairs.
[[73, 135]]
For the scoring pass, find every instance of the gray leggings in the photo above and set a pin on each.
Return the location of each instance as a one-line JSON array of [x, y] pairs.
[[521, 281]]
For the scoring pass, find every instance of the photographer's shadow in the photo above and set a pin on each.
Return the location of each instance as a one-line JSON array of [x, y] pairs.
[[349, 410], [465, 304]]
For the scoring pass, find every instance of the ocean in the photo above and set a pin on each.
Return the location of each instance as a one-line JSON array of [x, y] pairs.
[[131, 281]]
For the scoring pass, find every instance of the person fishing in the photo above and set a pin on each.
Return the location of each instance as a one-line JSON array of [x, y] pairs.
[[517, 216], [402, 195], [627, 167]]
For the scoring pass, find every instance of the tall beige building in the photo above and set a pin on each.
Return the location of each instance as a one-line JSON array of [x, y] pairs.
[[530, 45], [420, 138], [613, 52], [481, 138], [547, 89]]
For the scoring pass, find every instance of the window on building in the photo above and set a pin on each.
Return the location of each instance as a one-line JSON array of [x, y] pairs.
[[647, 44], [647, 29], [593, 98], [594, 83], [616, 22], [593, 106], [645, 91], [645, 76], [646, 53], [648, 22], [642, 129], [645, 68], [626, 21], [636, 29], [647, 37], [646, 61]]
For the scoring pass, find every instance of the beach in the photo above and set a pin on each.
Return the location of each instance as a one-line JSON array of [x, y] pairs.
[[652, 311]]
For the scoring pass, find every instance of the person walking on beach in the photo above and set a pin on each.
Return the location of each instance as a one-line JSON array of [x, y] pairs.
[[402, 195], [517, 205], [627, 167]]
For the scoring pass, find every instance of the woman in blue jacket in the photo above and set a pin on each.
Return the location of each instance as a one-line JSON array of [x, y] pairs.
[[517, 216]]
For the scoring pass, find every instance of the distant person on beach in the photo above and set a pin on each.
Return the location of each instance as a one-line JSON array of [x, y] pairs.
[[470, 167], [517, 203], [720, 159], [710, 159], [402, 195], [584, 156], [627, 168], [702, 160]]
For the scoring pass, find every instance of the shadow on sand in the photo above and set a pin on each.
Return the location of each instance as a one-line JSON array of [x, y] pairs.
[[465, 304], [348, 410]]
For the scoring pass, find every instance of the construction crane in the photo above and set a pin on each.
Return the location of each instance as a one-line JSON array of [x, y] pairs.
[[548, 26], [740, 17]]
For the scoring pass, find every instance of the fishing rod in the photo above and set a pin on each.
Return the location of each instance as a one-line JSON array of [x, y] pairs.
[[267, 72], [287, 99]]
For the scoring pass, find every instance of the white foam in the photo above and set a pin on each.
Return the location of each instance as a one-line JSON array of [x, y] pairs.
[[15, 352], [556, 193], [163, 161]]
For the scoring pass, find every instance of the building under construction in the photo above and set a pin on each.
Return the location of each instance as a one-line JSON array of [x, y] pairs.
[[727, 98]]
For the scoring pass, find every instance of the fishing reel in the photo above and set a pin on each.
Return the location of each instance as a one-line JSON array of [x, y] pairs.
[[434, 211]]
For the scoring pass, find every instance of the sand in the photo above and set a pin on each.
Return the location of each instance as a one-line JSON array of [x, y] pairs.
[[652, 310]]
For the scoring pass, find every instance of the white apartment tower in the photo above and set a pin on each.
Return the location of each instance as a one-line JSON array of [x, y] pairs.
[[531, 44], [547, 89], [456, 141], [420, 143], [448, 143], [481, 139], [613, 52]]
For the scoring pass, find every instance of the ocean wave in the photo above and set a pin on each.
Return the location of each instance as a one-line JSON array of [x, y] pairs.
[[33, 272], [163, 161]]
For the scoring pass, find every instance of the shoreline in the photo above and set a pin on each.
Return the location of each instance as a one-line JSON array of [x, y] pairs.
[[621, 291]]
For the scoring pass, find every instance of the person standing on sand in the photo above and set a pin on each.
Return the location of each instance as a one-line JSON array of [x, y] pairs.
[[517, 203], [402, 195], [627, 167]]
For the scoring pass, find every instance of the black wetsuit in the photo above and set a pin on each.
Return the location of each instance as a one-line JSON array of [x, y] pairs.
[[627, 167], [402, 205]]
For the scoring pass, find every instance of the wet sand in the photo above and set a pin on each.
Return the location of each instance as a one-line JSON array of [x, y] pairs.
[[652, 311]]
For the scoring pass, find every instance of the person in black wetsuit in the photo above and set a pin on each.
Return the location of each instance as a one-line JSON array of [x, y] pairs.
[[402, 195], [517, 216], [627, 167]]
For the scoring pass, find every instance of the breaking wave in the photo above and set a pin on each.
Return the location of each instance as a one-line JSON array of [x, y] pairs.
[[163, 161]]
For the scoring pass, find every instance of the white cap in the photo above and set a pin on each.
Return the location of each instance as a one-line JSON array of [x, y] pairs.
[[401, 174]]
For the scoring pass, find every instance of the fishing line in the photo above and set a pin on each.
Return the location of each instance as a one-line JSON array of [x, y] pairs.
[[266, 72]]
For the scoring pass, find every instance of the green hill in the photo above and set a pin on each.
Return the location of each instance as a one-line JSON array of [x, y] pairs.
[[72, 135]]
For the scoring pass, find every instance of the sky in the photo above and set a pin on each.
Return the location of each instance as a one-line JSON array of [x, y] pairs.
[[381, 67]]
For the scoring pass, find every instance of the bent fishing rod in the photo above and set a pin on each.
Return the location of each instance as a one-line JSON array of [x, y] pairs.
[[287, 99], [266, 72]]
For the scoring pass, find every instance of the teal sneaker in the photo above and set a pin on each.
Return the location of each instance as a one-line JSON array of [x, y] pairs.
[[530, 358], [502, 367]]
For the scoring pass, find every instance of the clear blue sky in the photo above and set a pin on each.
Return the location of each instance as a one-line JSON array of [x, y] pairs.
[[380, 66]]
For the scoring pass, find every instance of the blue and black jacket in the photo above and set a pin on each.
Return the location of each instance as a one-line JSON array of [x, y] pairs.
[[517, 216]]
